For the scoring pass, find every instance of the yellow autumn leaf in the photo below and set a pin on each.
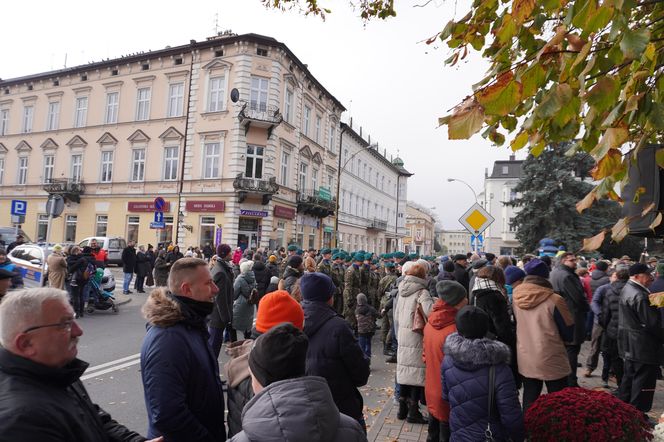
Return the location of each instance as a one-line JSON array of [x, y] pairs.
[[594, 243], [608, 165], [587, 201], [521, 10], [619, 230], [613, 137], [648, 208], [656, 222], [466, 121]]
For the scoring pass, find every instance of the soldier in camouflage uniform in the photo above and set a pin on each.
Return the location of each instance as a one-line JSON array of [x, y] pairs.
[[352, 289], [325, 264], [364, 272], [338, 271], [292, 250], [384, 287], [372, 291]]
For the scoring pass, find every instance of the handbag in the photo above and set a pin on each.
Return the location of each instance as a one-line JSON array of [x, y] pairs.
[[419, 319], [253, 297], [488, 435]]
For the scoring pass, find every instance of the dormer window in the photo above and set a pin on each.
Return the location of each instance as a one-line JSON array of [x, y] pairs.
[[506, 170]]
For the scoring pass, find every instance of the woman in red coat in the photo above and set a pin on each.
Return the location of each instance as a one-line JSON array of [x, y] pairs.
[[452, 297]]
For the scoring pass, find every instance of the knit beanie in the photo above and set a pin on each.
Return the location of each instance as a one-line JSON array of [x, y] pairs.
[[472, 322], [315, 286], [513, 274], [272, 259], [295, 261], [223, 250], [361, 299], [451, 292], [278, 307], [536, 267], [279, 354], [246, 266]]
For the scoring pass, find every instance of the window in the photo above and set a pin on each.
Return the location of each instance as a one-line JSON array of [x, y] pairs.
[[512, 194], [314, 179], [302, 184], [207, 230], [175, 99], [2, 169], [76, 169], [42, 227], [137, 164], [112, 105], [333, 136], [364, 172], [254, 165], [512, 226], [211, 155], [258, 98], [171, 163], [377, 181], [288, 105], [307, 118], [4, 121], [22, 176], [28, 114], [330, 181], [506, 170], [133, 223], [106, 166], [81, 114], [53, 118], [166, 235], [261, 51], [215, 94], [343, 200], [312, 238], [285, 159], [318, 121], [47, 175], [70, 228], [143, 104], [101, 227]]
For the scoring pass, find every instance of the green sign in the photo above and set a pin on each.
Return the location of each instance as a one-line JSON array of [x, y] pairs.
[[324, 193], [328, 229]]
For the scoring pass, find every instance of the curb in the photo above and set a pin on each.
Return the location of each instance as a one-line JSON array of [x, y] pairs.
[[372, 434], [122, 300]]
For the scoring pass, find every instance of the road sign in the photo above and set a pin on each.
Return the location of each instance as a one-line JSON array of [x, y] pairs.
[[159, 204], [476, 219], [55, 205], [158, 225], [19, 207], [159, 217]]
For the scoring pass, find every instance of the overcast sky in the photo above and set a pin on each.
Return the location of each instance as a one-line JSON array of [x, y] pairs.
[[392, 83]]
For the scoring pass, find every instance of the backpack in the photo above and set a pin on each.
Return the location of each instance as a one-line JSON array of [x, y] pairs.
[[84, 275]]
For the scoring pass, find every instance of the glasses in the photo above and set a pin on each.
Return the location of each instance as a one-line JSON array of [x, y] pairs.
[[61, 326]]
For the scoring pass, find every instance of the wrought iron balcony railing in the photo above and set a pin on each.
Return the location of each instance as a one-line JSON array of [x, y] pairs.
[[316, 203], [377, 224], [68, 188]]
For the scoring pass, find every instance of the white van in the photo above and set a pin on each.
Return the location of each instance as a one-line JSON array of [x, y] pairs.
[[113, 246]]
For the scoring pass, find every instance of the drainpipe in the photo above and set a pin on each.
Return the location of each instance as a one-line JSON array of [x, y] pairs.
[[336, 214]]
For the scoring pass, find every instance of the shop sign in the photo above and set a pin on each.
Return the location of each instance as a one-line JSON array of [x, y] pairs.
[[146, 206], [284, 212], [205, 206], [324, 194], [260, 213], [328, 229]]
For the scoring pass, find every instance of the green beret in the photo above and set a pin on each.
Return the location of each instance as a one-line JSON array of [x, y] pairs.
[[389, 265], [335, 250], [361, 251], [292, 248], [358, 257], [336, 256], [375, 261], [399, 255], [325, 251], [300, 252], [347, 258], [368, 256]]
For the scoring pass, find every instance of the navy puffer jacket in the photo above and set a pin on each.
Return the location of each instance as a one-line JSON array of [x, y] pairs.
[[465, 374]]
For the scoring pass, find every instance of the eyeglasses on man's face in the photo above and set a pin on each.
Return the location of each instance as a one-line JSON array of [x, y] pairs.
[[64, 326]]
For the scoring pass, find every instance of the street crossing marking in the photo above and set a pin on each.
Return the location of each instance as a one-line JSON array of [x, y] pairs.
[[111, 366]]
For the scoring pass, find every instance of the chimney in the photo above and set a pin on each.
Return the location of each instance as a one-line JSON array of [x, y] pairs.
[[351, 122], [486, 172], [512, 157]]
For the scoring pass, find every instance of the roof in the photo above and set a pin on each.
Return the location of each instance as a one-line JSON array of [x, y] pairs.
[[176, 50], [364, 143], [514, 169]]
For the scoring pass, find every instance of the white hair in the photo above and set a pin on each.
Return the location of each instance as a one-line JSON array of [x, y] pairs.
[[424, 264], [23, 308], [246, 266], [407, 267]]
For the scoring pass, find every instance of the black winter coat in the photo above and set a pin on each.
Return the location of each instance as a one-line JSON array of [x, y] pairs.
[[161, 270], [142, 264], [335, 355], [610, 305], [598, 278], [40, 403], [273, 269], [75, 265], [568, 285], [222, 275], [461, 276], [640, 332], [262, 277], [237, 399], [128, 259], [291, 276]]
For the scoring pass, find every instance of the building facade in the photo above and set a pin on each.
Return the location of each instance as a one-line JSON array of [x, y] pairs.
[[233, 132], [500, 236], [372, 196], [420, 227], [455, 241]]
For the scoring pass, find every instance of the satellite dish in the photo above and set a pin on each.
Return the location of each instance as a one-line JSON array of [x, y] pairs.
[[235, 95]]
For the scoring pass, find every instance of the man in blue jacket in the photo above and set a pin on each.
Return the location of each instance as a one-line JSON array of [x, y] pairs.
[[333, 353], [183, 393]]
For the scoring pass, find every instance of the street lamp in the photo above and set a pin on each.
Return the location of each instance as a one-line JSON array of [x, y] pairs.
[[449, 180]]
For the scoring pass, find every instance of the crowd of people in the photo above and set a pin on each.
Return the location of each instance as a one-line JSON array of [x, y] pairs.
[[466, 333]]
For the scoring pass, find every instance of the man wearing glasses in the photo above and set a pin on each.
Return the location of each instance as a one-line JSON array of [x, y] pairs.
[[41, 395], [568, 285]]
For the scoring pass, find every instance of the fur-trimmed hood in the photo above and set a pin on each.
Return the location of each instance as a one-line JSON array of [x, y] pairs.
[[471, 354], [410, 285], [161, 309], [237, 368]]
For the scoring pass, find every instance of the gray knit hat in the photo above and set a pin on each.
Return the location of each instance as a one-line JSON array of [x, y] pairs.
[[451, 292]]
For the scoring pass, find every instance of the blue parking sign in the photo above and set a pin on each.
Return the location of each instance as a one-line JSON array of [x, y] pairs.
[[19, 207]]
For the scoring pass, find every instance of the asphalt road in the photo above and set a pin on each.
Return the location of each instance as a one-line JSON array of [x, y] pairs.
[[111, 344]]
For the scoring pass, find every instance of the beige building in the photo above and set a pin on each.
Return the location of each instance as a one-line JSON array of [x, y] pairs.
[[420, 226], [456, 241], [255, 170]]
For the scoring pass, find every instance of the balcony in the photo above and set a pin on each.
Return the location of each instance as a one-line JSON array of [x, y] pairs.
[[255, 186], [316, 203], [67, 188], [377, 225], [260, 115]]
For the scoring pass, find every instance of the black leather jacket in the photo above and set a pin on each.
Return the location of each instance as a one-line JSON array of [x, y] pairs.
[[640, 333]]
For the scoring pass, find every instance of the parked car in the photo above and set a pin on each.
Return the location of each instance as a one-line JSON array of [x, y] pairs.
[[8, 236], [113, 245], [29, 258]]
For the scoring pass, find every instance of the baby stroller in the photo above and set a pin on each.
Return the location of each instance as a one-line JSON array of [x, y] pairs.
[[100, 299]]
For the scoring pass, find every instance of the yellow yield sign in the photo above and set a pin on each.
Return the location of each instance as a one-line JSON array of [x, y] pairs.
[[476, 219]]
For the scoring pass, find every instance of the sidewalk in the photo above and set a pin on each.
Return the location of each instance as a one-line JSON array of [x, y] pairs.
[[383, 425]]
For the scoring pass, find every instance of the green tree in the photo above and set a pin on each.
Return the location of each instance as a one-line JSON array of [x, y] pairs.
[[551, 185], [560, 70]]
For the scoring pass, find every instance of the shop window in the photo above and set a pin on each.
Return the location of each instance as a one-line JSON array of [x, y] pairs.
[[42, 225], [102, 225], [207, 230], [133, 223], [70, 228], [166, 234]]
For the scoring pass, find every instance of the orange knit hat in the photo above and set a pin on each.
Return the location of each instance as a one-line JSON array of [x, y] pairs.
[[278, 307]]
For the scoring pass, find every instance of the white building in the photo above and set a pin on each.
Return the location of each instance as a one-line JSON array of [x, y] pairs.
[[372, 196], [456, 241], [500, 236]]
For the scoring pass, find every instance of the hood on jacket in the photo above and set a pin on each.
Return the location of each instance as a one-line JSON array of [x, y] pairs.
[[410, 285], [296, 410], [290, 271], [315, 315], [258, 266], [472, 354], [528, 295], [161, 309], [237, 368], [442, 315], [598, 274]]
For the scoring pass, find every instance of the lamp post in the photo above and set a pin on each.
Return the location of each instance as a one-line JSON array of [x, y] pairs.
[[449, 180]]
